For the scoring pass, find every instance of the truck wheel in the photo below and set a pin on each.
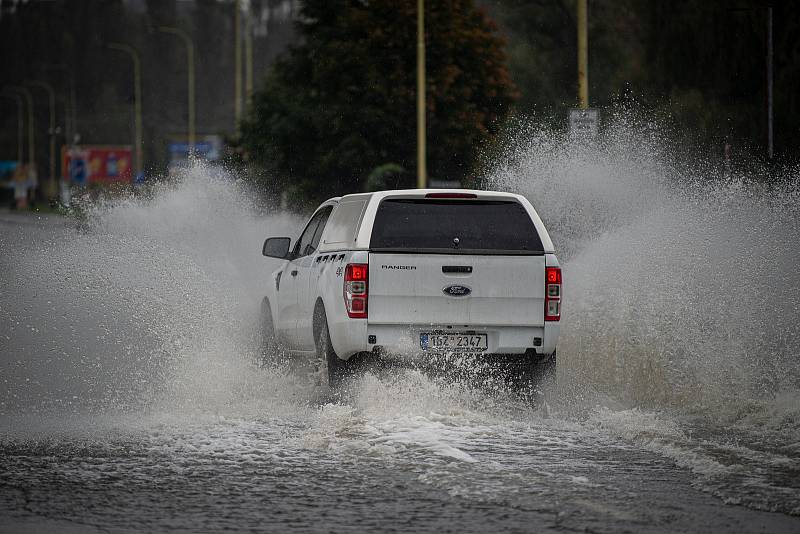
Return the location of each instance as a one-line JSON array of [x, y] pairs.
[[268, 351], [327, 358]]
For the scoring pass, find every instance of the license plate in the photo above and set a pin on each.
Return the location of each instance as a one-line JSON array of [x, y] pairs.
[[454, 342]]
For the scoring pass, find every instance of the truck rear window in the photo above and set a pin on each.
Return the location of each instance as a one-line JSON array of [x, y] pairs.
[[452, 226]]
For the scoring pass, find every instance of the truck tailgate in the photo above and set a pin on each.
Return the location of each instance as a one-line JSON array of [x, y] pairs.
[[413, 289]]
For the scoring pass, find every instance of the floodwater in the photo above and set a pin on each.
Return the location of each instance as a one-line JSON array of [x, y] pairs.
[[129, 400]]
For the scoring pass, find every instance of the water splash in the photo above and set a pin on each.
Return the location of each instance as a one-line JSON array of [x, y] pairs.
[[681, 282], [151, 302], [675, 337]]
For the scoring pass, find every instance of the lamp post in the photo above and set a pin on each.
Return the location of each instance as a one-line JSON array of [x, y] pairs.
[[422, 171], [190, 67], [237, 63], [769, 78], [73, 99], [248, 59], [70, 120], [20, 125], [29, 99], [21, 203], [770, 58], [51, 131], [137, 97]]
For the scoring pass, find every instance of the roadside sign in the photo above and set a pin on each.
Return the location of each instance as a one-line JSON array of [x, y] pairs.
[[77, 170], [583, 123], [97, 164]]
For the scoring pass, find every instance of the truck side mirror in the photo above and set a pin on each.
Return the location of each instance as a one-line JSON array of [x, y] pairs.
[[276, 247]]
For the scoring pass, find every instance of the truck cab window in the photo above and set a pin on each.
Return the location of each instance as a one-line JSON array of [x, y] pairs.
[[326, 213], [307, 244]]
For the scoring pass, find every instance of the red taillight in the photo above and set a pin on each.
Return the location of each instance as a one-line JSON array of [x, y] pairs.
[[451, 195], [552, 293], [356, 290]]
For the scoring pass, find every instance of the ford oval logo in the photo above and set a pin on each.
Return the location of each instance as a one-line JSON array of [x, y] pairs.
[[456, 291]]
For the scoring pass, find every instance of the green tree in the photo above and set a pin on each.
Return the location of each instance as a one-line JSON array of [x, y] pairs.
[[342, 103]]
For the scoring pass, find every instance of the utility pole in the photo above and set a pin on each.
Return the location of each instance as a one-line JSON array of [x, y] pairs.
[[137, 97], [583, 56], [191, 89], [20, 125], [583, 121], [51, 94], [422, 170], [770, 123], [237, 75]]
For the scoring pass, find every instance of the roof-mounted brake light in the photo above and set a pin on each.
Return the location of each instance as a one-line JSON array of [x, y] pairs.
[[451, 195]]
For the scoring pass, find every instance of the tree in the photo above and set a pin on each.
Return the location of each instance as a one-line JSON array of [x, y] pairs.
[[342, 103]]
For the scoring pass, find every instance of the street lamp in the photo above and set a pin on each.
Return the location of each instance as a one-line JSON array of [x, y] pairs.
[[769, 81], [237, 62], [70, 104], [20, 125], [248, 63], [51, 132], [137, 97], [190, 66], [422, 171], [73, 99], [770, 60], [31, 145]]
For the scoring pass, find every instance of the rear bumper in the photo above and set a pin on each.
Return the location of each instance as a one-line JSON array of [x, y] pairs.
[[405, 339]]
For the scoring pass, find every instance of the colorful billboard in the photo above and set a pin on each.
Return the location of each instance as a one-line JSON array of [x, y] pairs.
[[101, 164]]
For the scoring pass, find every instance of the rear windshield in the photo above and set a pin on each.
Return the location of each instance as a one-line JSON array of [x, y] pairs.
[[452, 226]]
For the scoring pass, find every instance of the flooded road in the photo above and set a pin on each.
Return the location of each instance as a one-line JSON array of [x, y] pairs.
[[341, 469], [129, 400]]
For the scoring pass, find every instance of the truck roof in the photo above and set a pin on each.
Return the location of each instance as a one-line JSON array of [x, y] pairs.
[[418, 193], [371, 201]]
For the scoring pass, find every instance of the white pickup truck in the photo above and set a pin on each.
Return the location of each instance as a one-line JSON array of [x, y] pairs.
[[419, 272]]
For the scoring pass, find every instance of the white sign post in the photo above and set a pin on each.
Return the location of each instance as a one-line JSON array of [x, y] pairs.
[[583, 123]]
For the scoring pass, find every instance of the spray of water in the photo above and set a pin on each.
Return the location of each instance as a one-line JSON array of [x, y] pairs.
[[681, 294], [149, 304], [681, 283]]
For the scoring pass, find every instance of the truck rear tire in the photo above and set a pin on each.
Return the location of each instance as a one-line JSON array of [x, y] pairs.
[[337, 369]]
